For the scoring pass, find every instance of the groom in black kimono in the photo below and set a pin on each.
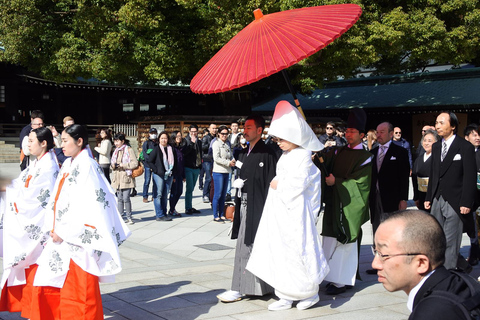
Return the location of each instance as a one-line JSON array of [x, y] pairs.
[[257, 165]]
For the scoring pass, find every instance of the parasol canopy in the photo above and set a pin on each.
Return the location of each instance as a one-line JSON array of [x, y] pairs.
[[272, 43]]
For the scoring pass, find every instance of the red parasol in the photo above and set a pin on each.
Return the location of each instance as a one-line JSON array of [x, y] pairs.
[[272, 43]]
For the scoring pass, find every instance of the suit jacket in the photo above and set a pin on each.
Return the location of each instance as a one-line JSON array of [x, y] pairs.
[[392, 178], [425, 308], [455, 178]]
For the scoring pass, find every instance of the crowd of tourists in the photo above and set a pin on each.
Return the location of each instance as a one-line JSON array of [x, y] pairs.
[[65, 216]]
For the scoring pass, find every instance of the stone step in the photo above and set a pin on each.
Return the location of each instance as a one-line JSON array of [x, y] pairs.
[[10, 157], [9, 161], [8, 152]]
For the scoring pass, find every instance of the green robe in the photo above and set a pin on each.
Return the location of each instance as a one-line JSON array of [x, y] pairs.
[[346, 202]]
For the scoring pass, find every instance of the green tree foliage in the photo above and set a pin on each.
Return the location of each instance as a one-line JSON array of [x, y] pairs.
[[126, 41]]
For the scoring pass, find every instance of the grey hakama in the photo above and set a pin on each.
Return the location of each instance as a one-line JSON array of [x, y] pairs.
[[243, 280]]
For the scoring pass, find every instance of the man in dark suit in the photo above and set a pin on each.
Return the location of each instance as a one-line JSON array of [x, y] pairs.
[[452, 186], [390, 173], [409, 251]]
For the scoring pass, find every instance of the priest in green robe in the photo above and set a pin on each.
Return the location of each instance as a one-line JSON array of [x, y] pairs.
[[346, 187]]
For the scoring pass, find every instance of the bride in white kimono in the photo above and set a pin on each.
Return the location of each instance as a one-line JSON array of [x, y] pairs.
[[287, 253], [26, 198], [85, 231]]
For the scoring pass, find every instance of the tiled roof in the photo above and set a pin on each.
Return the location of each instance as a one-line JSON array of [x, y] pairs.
[[448, 88]]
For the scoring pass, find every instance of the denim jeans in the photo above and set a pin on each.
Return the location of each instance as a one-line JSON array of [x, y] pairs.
[[176, 192], [220, 180], [191, 176], [229, 182], [148, 175], [160, 202], [207, 167]]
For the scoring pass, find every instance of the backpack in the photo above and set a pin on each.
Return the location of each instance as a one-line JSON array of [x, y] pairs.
[[470, 307]]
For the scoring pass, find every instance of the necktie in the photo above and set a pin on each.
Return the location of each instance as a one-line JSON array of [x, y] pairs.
[[444, 150], [381, 155]]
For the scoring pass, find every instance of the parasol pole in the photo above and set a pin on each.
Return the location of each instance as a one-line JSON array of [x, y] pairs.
[[292, 91]]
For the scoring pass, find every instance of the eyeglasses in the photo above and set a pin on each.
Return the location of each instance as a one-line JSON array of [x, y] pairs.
[[38, 124], [223, 133], [385, 257], [398, 132], [329, 128]]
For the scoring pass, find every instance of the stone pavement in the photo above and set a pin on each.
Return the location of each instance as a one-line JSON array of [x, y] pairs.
[[174, 270]]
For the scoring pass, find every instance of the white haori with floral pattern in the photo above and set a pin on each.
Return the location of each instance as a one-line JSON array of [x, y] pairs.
[[27, 200], [87, 219]]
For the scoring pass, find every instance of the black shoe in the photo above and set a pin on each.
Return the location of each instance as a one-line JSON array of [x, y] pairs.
[[134, 193], [334, 290], [191, 211], [228, 198], [200, 188], [164, 218], [371, 271], [473, 262]]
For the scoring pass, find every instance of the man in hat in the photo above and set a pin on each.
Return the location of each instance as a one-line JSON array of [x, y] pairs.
[[346, 188], [147, 148], [257, 165]]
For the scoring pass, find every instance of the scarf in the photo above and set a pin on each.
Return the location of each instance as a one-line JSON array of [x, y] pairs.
[[125, 158], [167, 161]]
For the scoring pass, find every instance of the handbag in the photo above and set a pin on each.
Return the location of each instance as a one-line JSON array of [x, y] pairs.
[[138, 171], [229, 211]]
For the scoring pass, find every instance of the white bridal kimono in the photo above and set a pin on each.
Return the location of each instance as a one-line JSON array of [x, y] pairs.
[[287, 253], [85, 216], [26, 203]]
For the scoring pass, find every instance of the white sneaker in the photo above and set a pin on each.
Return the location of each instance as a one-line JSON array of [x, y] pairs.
[[307, 303], [230, 296], [282, 304], [130, 221]]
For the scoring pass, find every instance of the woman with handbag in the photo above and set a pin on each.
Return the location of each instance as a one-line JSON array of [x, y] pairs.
[[421, 169], [222, 166], [104, 152], [123, 162], [163, 161]]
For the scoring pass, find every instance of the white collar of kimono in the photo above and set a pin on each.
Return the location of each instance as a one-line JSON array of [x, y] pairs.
[[289, 124]]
